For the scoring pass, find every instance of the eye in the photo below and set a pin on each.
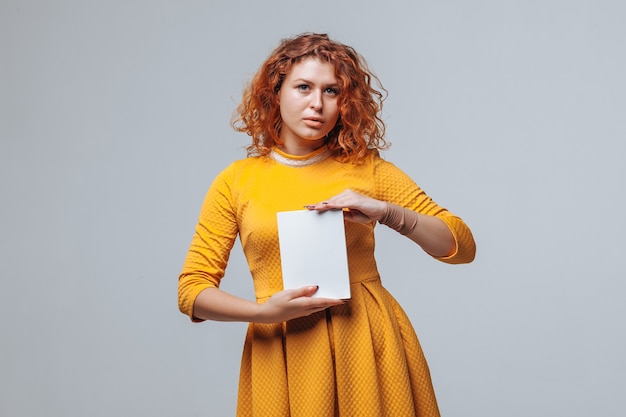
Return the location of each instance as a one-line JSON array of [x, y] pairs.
[[333, 91], [303, 87]]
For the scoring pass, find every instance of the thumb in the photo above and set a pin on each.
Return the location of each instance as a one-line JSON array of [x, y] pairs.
[[307, 291]]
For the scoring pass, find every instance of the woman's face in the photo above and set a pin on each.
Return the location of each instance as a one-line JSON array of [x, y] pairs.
[[308, 105]]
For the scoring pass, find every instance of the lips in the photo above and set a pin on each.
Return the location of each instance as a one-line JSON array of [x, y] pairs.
[[313, 122]]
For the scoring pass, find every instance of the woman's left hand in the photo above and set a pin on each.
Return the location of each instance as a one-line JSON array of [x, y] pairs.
[[361, 208]]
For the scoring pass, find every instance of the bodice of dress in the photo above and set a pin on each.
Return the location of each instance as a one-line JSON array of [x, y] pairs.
[[279, 187]]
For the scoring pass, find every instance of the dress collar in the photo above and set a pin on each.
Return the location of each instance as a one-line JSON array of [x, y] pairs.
[[297, 161]]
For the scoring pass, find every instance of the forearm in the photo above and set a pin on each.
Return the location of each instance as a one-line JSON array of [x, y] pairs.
[[431, 233], [215, 304]]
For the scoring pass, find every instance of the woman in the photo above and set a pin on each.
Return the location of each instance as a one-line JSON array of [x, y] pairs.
[[313, 117]]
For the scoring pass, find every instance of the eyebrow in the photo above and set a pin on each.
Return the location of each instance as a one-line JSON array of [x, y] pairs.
[[304, 80]]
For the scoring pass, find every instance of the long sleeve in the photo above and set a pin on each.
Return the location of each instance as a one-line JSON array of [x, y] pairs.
[[394, 186], [211, 244]]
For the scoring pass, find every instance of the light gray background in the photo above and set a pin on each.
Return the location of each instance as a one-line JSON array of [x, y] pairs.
[[114, 119]]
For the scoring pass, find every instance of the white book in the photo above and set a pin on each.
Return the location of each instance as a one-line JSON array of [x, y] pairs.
[[313, 251]]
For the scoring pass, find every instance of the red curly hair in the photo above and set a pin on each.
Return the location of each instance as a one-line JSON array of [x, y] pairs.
[[359, 127]]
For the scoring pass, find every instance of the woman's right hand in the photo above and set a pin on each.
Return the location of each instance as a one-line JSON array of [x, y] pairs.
[[291, 304]]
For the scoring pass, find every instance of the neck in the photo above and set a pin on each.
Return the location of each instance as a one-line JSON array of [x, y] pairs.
[[301, 149]]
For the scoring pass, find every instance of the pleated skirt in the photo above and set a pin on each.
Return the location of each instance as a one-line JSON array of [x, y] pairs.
[[360, 359]]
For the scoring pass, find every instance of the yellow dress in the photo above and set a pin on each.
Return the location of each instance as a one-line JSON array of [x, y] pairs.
[[360, 359]]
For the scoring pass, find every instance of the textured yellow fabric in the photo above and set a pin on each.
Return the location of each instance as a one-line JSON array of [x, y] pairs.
[[358, 359]]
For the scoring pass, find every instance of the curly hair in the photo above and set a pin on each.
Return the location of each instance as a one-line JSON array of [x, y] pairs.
[[359, 127]]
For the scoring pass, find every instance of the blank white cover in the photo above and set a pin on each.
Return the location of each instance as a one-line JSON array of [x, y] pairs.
[[313, 251]]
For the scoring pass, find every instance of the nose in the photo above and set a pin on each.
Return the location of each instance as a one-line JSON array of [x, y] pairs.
[[316, 100]]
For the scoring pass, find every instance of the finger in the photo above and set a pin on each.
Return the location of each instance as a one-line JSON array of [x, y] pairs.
[[327, 306], [316, 206], [307, 291], [323, 206], [323, 303], [331, 301]]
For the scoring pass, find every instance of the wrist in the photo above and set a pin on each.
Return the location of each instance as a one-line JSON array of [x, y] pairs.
[[260, 313], [384, 213], [400, 219]]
